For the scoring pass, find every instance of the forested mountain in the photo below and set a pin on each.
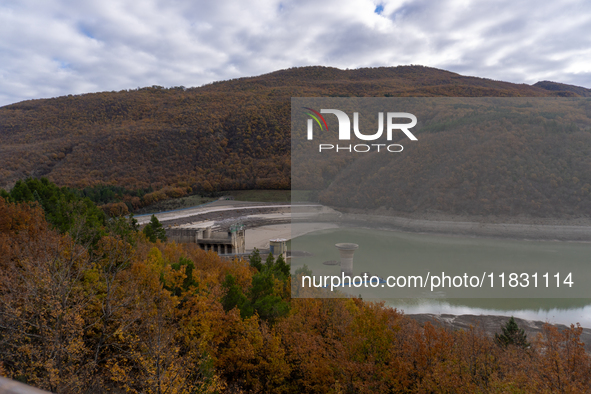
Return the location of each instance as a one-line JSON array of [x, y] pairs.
[[510, 157], [227, 135], [564, 89]]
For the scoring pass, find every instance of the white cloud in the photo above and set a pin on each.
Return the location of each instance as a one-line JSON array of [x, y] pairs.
[[58, 47]]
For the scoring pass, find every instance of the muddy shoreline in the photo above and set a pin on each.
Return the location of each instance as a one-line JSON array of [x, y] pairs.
[[521, 228], [471, 229], [491, 324]]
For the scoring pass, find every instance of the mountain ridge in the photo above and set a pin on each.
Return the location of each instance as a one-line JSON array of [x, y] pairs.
[[226, 135]]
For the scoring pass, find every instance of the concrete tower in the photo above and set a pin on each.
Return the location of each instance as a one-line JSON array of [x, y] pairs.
[[346, 251]]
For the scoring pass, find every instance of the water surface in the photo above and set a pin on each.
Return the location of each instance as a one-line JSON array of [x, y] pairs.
[[384, 253]]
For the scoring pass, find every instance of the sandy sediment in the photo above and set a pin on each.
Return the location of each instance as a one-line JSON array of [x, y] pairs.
[[502, 230], [513, 228], [259, 237], [262, 215], [235, 208]]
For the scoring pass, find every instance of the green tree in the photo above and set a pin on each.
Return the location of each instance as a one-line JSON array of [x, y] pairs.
[[282, 269], [154, 230], [256, 260], [264, 296], [188, 266], [133, 223], [304, 270], [512, 335], [234, 297], [270, 262], [66, 211]]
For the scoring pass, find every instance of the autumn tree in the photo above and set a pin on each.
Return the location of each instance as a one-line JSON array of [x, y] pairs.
[[43, 301]]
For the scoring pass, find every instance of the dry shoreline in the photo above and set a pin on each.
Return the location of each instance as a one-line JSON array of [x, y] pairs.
[[491, 324], [575, 229], [471, 229], [518, 227]]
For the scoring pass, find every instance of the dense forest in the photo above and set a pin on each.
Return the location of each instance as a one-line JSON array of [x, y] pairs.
[[155, 143], [118, 313], [474, 157]]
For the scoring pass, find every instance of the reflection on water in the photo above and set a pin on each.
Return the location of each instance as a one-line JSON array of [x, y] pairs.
[[434, 252], [579, 310]]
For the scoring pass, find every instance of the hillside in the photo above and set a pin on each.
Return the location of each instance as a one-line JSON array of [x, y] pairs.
[[232, 134], [223, 136], [563, 89], [475, 157]]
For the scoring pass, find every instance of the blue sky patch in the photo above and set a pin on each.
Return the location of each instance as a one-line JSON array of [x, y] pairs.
[[85, 31]]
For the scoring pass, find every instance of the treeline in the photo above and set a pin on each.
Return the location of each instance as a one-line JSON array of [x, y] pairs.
[[113, 201], [119, 201], [129, 315], [104, 194], [64, 210]]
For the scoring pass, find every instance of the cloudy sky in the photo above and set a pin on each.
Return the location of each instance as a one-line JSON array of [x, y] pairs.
[[50, 48]]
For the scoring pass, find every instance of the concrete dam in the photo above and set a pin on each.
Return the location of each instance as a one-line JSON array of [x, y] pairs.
[[231, 241]]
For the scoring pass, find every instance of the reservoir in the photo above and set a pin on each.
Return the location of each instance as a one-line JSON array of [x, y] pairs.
[[386, 253]]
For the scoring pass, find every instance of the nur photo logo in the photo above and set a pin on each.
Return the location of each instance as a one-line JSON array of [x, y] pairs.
[[344, 130]]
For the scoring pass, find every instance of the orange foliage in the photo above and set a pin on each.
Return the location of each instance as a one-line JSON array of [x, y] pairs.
[[74, 321], [224, 136]]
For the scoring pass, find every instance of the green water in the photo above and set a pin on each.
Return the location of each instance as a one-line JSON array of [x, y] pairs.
[[390, 253]]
